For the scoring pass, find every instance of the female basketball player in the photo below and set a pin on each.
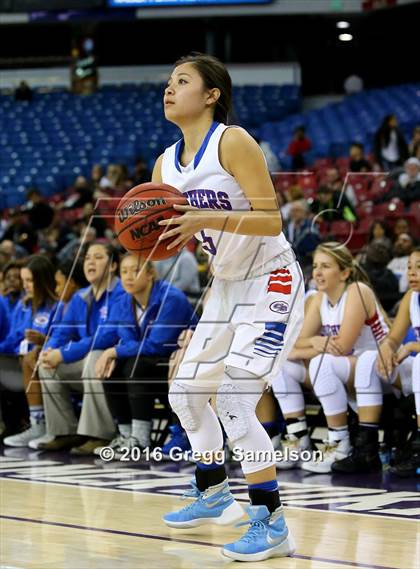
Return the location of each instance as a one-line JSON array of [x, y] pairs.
[[68, 278], [149, 319], [30, 322], [70, 356], [254, 312], [350, 319], [397, 366]]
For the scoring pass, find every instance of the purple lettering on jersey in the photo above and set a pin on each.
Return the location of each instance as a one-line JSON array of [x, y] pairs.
[[192, 198], [201, 194], [330, 329], [224, 200], [208, 199], [417, 333], [212, 199]]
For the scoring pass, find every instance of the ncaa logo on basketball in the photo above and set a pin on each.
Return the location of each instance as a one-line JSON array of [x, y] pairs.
[[279, 306]]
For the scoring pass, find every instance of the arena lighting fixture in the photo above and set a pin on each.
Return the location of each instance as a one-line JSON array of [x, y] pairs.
[[343, 25], [345, 37]]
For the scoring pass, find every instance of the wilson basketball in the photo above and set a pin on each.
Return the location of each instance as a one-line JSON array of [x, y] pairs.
[[137, 219]]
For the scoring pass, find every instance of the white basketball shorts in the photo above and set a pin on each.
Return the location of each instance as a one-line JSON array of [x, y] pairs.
[[250, 324]]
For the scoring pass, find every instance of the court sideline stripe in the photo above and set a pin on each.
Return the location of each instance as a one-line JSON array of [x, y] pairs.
[[187, 541], [287, 506]]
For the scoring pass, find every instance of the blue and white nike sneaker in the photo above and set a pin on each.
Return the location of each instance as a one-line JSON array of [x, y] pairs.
[[267, 536], [216, 505]]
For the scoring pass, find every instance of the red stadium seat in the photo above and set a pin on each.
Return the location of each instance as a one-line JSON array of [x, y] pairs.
[[389, 210], [307, 181], [282, 182], [379, 187], [343, 163], [364, 209], [322, 163], [341, 228], [357, 241], [364, 225]]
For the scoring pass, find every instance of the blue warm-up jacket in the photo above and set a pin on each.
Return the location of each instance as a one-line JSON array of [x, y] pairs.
[[168, 313], [78, 330], [4, 319], [23, 319]]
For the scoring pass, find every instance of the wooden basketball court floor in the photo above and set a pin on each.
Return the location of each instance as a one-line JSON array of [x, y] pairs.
[[58, 512]]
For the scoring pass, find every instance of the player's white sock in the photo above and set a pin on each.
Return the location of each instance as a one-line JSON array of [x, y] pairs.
[[141, 431], [124, 429]]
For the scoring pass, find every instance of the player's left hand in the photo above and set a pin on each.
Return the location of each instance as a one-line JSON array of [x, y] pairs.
[[191, 222], [403, 352]]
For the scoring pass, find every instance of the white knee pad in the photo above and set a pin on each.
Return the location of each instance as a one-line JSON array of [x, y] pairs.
[[237, 399], [236, 402], [367, 383], [188, 402], [416, 382], [328, 374], [287, 387]]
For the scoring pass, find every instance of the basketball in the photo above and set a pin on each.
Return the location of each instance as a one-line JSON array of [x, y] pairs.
[[137, 219]]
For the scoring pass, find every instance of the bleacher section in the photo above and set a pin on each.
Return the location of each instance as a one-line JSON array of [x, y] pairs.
[[57, 136], [332, 128]]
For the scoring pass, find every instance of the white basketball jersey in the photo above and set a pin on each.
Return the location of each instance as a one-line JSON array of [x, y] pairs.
[[373, 331], [207, 185], [415, 313]]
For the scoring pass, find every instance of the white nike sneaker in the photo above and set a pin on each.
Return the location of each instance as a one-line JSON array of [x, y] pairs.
[[46, 438], [330, 452], [291, 450], [116, 443], [35, 431]]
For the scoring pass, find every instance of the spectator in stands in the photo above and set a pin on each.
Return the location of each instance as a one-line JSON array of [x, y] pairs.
[[40, 213], [380, 232], [415, 142], [292, 194], [96, 175], [29, 324], [401, 226], [273, 163], [333, 179], [302, 233], [90, 218], [358, 161], [384, 282], [11, 251], [68, 359], [332, 206], [12, 285], [80, 194], [403, 247], [407, 187], [20, 231], [86, 235], [298, 148], [141, 173], [113, 178], [181, 271], [334, 182], [389, 146], [69, 278], [416, 151], [23, 92]]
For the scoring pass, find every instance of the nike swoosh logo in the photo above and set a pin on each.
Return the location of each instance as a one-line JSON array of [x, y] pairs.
[[276, 540], [221, 499]]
